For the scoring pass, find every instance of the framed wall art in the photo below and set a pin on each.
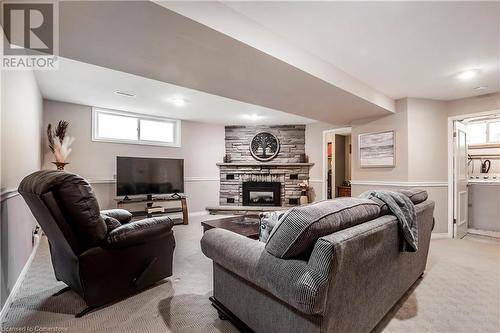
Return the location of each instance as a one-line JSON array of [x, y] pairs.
[[377, 150]]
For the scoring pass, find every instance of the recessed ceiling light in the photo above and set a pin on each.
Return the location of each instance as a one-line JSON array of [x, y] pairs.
[[468, 74], [253, 116], [178, 101], [124, 94], [480, 88]]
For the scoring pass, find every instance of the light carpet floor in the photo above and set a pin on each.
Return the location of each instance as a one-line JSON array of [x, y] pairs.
[[460, 292]]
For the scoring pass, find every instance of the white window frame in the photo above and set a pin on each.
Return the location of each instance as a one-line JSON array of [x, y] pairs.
[[487, 132], [139, 117], [488, 123]]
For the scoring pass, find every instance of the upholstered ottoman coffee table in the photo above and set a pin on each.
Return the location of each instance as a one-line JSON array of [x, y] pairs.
[[247, 226]]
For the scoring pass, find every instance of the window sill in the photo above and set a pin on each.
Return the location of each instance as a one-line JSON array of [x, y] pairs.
[[141, 143]]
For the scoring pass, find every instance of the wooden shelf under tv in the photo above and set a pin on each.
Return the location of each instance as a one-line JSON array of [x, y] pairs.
[[122, 203]]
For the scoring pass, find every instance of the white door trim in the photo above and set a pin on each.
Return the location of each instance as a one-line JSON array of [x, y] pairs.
[[341, 130], [450, 161]]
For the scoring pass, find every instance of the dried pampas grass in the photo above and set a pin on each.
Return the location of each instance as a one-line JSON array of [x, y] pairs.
[[62, 149], [59, 143]]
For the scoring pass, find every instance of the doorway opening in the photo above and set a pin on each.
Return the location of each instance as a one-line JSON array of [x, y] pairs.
[[474, 175], [337, 163]]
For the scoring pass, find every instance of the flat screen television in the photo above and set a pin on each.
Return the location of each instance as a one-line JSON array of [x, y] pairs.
[[139, 176]]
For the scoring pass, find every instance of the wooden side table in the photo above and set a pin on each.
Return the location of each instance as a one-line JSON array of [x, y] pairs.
[[343, 191]]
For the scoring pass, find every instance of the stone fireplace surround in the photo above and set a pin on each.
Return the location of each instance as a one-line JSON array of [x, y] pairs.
[[287, 168], [233, 175]]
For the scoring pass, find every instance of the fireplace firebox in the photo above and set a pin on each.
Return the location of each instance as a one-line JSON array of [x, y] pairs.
[[261, 194]]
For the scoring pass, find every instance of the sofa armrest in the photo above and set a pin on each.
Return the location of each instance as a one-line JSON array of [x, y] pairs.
[[296, 282], [370, 273], [237, 253], [122, 215], [139, 232]]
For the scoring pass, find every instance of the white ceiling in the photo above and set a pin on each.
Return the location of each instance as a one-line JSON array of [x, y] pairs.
[[402, 49], [331, 61], [166, 46], [82, 83]]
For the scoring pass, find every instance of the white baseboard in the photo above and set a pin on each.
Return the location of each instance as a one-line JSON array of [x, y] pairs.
[[439, 235], [494, 234], [20, 279]]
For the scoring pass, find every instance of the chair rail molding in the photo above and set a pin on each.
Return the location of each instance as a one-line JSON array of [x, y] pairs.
[[8, 193]]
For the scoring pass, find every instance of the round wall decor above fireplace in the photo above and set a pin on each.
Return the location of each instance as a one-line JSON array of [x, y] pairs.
[[264, 146]]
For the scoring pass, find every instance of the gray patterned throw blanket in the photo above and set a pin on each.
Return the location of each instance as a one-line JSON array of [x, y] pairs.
[[404, 210]]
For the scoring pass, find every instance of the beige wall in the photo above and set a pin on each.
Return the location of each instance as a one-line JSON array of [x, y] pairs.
[[427, 140], [398, 122], [21, 114], [489, 102], [202, 147], [21, 127], [427, 153], [421, 148], [420, 128]]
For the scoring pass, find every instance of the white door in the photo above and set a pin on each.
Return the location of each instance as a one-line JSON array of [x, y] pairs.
[[460, 180]]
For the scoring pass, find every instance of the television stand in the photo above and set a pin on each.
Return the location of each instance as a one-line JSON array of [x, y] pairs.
[[150, 201]]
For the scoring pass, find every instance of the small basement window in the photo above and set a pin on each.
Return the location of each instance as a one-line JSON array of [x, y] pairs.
[[494, 131], [123, 127]]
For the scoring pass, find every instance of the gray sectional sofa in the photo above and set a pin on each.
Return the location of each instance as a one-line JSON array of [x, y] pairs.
[[332, 266]]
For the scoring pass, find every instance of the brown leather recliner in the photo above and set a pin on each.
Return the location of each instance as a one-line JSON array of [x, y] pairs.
[[102, 256]]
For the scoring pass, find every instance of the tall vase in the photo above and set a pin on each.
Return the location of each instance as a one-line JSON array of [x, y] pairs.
[[60, 165], [304, 200]]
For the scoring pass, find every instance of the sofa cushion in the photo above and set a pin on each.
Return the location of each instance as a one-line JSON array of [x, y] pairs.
[[300, 227], [384, 208], [267, 222], [416, 195]]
